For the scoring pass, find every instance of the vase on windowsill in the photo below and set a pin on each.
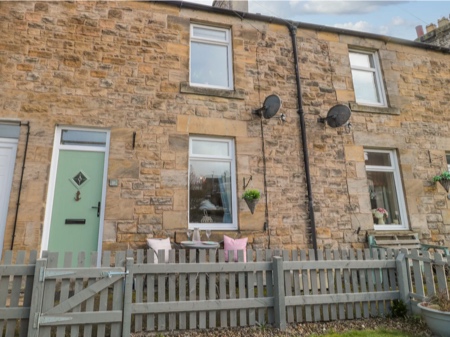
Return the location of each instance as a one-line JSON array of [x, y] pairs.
[[380, 214]]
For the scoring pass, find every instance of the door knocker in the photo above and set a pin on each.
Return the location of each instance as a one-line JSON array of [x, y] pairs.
[[77, 196]]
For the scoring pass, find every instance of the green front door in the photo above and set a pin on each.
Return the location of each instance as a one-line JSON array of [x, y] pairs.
[[76, 207]]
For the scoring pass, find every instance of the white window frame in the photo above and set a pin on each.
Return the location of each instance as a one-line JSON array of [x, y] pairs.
[[226, 43], [232, 160], [394, 168], [376, 70]]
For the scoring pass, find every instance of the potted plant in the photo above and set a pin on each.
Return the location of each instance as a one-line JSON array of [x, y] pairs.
[[251, 197], [436, 312], [443, 179]]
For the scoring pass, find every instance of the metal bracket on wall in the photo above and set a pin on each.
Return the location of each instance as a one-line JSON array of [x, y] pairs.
[[245, 185]]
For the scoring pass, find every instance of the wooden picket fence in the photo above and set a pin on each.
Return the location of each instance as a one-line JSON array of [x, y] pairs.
[[429, 274], [131, 292]]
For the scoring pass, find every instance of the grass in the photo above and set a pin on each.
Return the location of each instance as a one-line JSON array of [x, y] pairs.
[[370, 333]]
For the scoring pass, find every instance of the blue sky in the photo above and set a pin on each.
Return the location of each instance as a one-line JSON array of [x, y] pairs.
[[391, 18]]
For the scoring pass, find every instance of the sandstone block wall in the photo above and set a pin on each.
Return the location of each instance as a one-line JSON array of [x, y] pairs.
[[124, 66]]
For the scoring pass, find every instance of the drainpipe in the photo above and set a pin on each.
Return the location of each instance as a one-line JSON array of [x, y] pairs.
[[27, 124], [293, 32]]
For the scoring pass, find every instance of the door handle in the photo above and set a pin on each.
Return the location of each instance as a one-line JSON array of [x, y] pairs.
[[98, 209]]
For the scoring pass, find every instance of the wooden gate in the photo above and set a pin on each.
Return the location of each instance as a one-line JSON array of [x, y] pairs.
[[77, 301]]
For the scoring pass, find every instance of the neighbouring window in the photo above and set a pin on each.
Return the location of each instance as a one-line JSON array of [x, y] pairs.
[[448, 161], [386, 193], [367, 79], [210, 59], [212, 183]]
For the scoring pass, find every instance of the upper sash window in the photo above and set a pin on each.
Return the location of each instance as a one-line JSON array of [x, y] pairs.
[[210, 59]]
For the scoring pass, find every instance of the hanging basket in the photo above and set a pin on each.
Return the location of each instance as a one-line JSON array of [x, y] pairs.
[[251, 204], [445, 184]]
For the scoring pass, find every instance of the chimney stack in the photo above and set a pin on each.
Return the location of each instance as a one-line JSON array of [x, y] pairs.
[[419, 31], [431, 27], [236, 5], [443, 22]]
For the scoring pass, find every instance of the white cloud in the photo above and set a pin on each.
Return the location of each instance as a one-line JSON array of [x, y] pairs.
[[364, 26], [289, 8], [383, 30], [398, 21], [337, 7]]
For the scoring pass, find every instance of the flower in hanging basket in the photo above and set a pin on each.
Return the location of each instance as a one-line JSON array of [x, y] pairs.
[[380, 213], [251, 197], [443, 176], [251, 194], [443, 179]]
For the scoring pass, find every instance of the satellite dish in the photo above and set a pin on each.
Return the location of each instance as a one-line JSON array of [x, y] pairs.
[[337, 116], [271, 106]]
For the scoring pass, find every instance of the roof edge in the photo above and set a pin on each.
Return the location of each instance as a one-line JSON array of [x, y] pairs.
[[312, 26]]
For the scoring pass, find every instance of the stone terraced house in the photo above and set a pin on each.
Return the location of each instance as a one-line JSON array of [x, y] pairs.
[[122, 121]]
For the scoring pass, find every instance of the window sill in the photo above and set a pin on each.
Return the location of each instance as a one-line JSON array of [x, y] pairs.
[[374, 109], [213, 226], [186, 88], [387, 227]]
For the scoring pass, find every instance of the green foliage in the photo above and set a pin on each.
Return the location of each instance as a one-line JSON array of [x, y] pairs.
[[399, 309], [262, 326], [443, 176], [251, 194]]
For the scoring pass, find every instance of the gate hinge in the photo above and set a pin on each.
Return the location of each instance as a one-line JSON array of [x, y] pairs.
[[52, 273], [110, 274], [44, 320]]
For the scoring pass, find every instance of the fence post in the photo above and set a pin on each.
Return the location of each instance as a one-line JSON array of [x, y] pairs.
[[278, 293], [402, 276], [127, 298], [37, 297]]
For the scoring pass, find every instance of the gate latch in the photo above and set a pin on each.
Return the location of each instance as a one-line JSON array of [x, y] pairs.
[[110, 274]]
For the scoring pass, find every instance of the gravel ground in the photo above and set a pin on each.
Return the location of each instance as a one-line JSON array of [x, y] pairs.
[[413, 326]]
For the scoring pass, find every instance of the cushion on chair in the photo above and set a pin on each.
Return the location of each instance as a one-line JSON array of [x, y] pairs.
[[234, 245], [160, 244]]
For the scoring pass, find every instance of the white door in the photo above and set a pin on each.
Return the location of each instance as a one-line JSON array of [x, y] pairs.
[[8, 148]]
